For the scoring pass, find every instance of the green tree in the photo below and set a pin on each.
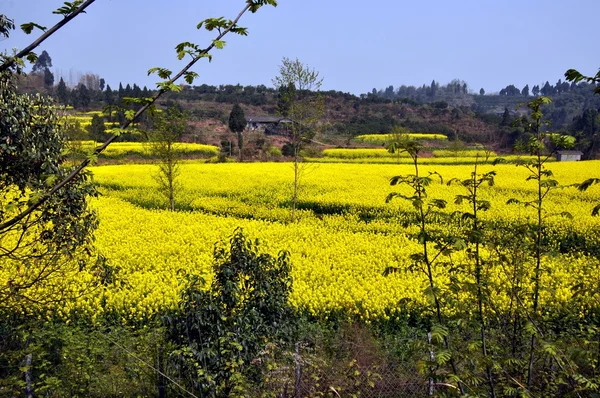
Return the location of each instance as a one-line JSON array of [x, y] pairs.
[[547, 89], [44, 62], [506, 119], [82, 94], [224, 332], [40, 251], [121, 93], [302, 104], [62, 92], [109, 97], [97, 130], [48, 79], [167, 129], [482, 91], [237, 125], [525, 91], [545, 183], [432, 246]]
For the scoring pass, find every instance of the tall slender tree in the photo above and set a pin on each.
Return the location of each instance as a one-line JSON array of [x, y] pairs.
[[301, 102], [237, 125], [62, 93]]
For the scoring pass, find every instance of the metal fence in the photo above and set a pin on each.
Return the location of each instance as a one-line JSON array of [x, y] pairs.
[[310, 375]]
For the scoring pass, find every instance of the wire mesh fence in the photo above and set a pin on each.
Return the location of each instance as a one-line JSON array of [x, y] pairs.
[[310, 375]]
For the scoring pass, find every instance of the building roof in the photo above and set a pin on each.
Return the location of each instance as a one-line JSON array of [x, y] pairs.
[[570, 153], [264, 119]]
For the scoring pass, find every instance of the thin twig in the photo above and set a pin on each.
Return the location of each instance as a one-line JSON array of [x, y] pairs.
[[11, 61], [101, 148]]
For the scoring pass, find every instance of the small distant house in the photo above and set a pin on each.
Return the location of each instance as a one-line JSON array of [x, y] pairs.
[[269, 124], [568, 156]]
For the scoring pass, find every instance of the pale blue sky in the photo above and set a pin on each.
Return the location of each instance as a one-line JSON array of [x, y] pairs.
[[355, 45]]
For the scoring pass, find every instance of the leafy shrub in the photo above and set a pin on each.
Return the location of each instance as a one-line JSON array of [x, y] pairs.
[[223, 332]]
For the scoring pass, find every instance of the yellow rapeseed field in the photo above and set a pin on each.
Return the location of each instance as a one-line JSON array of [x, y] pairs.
[[344, 238]]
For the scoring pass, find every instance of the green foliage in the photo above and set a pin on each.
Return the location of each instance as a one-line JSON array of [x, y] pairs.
[[31, 159], [433, 247], [237, 125], [68, 8], [28, 27], [97, 130], [77, 359], [6, 25], [223, 332], [300, 102], [573, 75], [168, 127]]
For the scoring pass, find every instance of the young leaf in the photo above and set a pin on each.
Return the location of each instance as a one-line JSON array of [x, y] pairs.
[[28, 27], [32, 57]]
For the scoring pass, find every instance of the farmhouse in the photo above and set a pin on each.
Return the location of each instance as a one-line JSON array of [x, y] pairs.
[[269, 124], [568, 156]]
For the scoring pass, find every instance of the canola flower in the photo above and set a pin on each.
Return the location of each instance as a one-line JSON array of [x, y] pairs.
[[386, 138], [119, 150], [344, 239]]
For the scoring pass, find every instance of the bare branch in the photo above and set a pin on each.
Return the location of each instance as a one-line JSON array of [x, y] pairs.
[[101, 148], [11, 61]]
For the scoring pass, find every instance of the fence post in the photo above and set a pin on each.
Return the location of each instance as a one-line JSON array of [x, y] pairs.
[[298, 369], [29, 387], [161, 370], [432, 358]]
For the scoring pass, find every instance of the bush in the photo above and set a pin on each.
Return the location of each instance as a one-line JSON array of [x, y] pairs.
[[224, 332]]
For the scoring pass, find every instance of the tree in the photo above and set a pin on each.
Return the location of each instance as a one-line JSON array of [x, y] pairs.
[[525, 91], [62, 92], [40, 251], [81, 97], [44, 62], [222, 332], [109, 98], [482, 91], [547, 89], [97, 130], [535, 90], [237, 125], [506, 120], [168, 127], [121, 93], [303, 105], [48, 79]]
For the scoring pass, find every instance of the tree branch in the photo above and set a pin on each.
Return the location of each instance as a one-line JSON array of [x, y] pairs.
[[11, 61], [101, 148]]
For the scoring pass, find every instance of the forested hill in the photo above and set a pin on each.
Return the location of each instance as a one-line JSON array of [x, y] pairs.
[[449, 109]]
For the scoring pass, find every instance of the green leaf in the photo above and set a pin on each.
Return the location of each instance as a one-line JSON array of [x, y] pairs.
[[240, 31], [220, 44], [68, 8], [190, 76], [32, 57], [28, 27], [256, 4], [129, 114], [587, 183], [573, 75], [163, 73]]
